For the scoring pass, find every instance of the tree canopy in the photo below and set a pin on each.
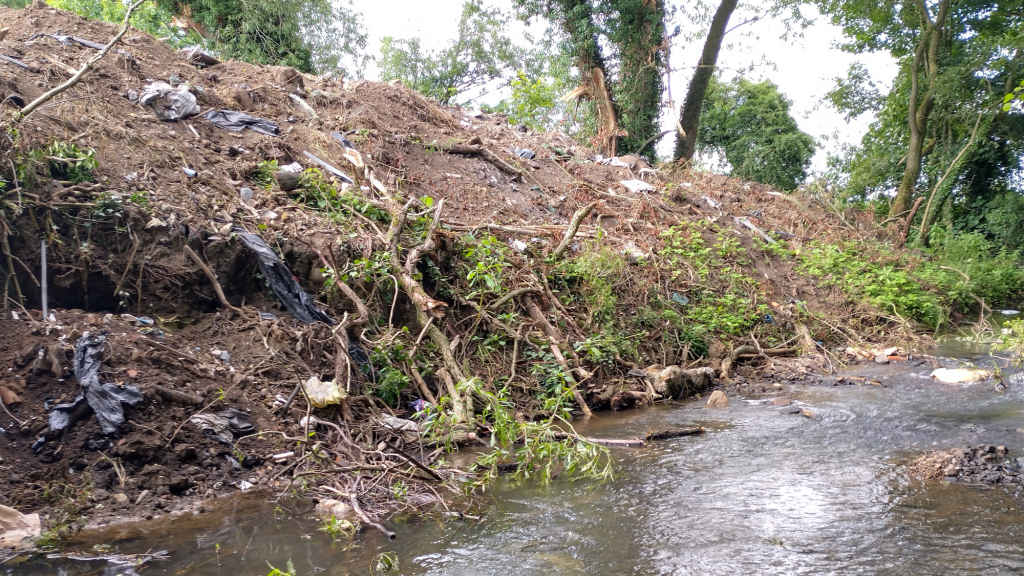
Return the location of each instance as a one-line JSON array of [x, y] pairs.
[[750, 124]]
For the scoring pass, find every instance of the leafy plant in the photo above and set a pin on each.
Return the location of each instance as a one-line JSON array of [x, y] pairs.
[[263, 176], [288, 571], [485, 265], [338, 530]]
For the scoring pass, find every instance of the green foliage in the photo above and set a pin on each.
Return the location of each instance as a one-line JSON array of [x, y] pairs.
[[321, 193], [66, 161], [533, 102], [263, 176], [723, 298], [884, 286], [385, 563], [390, 380], [288, 571], [593, 274], [150, 17], [955, 273], [976, 74], [481, 53], [484, 264], [338, 530], [750, 124]]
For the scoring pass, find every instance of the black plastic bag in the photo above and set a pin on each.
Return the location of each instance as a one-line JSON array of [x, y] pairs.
[[282, 282], [238, 121], [106, 400]]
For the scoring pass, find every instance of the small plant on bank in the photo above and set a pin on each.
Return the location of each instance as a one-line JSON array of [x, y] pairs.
[[263, 176], [288, 571], [338, 530]]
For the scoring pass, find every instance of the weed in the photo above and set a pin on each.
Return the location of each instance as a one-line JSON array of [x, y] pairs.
[[338, 530], [485, 265], [67, 161], [391, 381], [385, 563], [1011, 339], [318, 191], [263, 176], [288, 571]]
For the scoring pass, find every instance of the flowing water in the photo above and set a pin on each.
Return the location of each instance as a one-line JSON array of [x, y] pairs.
[[764, 491]]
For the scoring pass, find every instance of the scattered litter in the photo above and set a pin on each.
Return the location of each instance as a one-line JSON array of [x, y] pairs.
[[68, 40], [245, 193], [634, 253], [636, 186], [525, 153], [282, 282], [338, 173], [322, 393], [167, 102], [225, 425], [349, 151], [189, 172], [282, 456], [289, 176], [712, 202], [107, 400], [222, 355], [518, 245], [268, 316], [245, 485], [198, 57], [680, 299], [750, 225], [304, 106], [1009, 312], [237, 121], [419, 405], [399, 424]]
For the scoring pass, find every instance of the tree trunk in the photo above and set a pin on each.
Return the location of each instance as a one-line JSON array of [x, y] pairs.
[[926, 56], [578, 22], [689, 115], [639, 88]]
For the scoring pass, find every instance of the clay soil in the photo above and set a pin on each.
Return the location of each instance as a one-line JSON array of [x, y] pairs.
[[117, 253]]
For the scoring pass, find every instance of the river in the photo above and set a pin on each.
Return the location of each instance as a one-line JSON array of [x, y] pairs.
[[764, 491]]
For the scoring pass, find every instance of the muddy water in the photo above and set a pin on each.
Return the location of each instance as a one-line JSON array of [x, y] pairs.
[[765, 491]]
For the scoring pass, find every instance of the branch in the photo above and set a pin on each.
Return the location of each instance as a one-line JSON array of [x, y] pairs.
[[213, 280], [574, 226], [85, 67]]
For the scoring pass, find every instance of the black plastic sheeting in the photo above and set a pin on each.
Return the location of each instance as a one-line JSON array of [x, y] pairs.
[[282, 282], [238, 121], [107, 400]]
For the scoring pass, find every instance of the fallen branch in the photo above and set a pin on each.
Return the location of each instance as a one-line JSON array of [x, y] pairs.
[[678, 433], [213, 280], [473, 149], [574, 226], [32, 106]]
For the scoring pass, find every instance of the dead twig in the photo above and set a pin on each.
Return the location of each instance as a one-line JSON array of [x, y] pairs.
[[49, 95], [213, 280], [574, 226]]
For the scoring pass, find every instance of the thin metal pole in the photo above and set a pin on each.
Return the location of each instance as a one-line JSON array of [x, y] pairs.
[[42, 259]]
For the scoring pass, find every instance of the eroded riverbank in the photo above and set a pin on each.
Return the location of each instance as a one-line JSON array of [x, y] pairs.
[[768, 489]]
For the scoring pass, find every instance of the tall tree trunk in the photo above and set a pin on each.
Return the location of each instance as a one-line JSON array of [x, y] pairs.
[[578, 22], [689, 115], [639, 88], [920, 104]]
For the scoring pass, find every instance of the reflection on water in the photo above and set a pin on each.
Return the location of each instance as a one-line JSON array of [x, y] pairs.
[[765, 491]]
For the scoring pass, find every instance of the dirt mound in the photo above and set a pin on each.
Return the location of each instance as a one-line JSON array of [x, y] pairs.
[[152, 232], [985, 464]]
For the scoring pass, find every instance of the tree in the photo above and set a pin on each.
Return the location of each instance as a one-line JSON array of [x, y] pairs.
[[750, 124], [310, 35], [481, 53], [689, 114], [637, 28], [949, 52]]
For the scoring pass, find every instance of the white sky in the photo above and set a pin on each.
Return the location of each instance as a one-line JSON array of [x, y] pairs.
[[804, 67]]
